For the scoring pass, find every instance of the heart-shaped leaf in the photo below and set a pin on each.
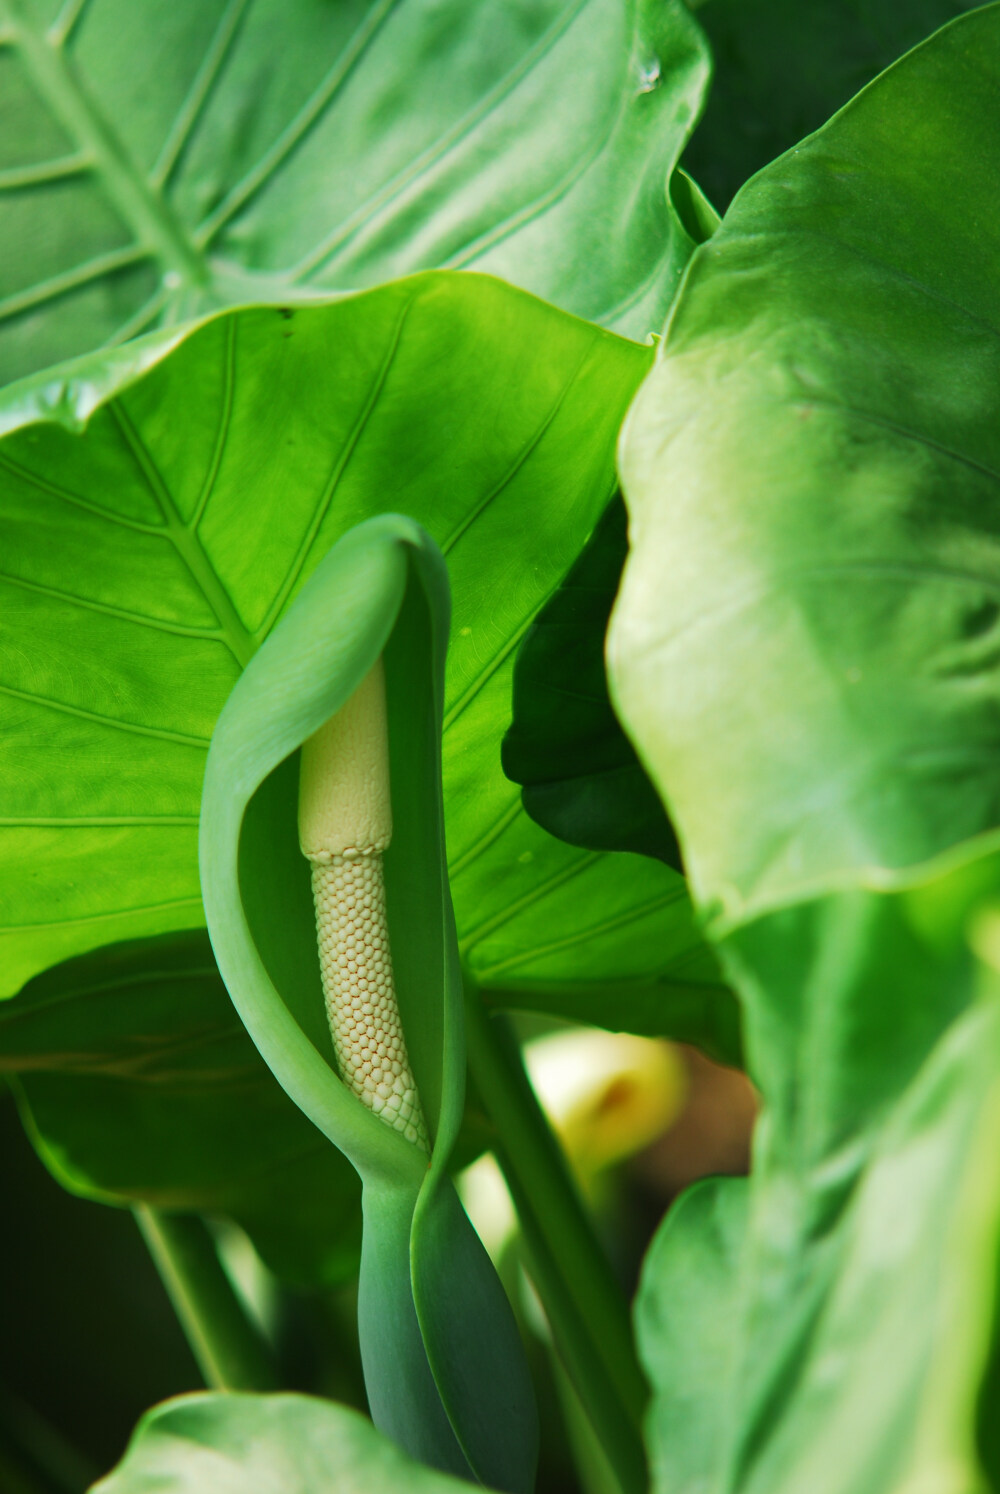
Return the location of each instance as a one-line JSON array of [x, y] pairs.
[[158, 161], [165, 502], [805, 647]]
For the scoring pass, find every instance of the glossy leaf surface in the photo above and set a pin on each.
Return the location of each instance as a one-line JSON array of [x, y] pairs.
[[783, 68], [244, 1444], [140, 1084], [829, 1323], [151, 552], [162, 159], [805, 646], [443, 1361]]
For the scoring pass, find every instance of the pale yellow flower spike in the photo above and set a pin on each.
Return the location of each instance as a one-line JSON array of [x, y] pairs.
[[345, 824]]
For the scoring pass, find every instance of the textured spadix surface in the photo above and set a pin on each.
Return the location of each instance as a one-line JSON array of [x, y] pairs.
[[345, 826]]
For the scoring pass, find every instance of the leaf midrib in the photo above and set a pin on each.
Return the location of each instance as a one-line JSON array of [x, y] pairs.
[[145, 212]]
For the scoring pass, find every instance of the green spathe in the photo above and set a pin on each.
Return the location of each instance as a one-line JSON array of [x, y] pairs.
[[443, 1360]]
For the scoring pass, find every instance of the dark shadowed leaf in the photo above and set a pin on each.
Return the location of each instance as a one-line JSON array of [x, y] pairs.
[[139, 1082], [783, 67], [580, 777]]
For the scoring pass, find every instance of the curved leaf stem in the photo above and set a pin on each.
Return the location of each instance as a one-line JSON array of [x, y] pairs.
[[230, 1349], [582, 1301]]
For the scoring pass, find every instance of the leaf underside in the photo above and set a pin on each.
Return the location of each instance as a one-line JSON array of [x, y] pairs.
[[160, 160]]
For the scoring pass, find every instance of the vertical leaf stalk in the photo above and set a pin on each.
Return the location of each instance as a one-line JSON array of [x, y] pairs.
[[230, 1350], [582, 1300]]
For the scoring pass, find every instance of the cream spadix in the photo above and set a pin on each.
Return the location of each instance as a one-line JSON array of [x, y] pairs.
[[345, 824]]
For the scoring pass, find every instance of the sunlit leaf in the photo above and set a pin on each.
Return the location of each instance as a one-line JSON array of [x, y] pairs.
[[806, 643], [249, 1444], [151, 551], [162, 159]]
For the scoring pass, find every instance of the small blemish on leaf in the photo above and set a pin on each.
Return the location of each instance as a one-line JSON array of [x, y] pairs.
[[649, 75]]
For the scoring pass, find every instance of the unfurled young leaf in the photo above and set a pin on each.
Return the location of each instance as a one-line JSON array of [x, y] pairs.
[[443, 1362], [230, 151], [831, 1324]]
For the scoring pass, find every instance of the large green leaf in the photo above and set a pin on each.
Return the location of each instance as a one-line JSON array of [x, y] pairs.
[[805, 647], [139, 1083], [249, 1444], [828, 1325], [162, 508], [782, 68], [158, 160]]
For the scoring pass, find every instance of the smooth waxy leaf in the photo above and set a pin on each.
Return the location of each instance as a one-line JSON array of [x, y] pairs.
[[444, 1365], [580, 777], [249, 1444], [782, 68], [163, 159], [142, 1085], [805, 645], [151, 551], [828, 1324]]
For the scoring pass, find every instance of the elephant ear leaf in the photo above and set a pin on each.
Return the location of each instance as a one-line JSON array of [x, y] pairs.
[[812, 487], [433, 1358]]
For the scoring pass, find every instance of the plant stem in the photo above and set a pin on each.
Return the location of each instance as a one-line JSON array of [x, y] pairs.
[[582, 1301], [230, 1349]]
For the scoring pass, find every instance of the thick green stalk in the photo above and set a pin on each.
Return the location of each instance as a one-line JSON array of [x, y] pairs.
[[583, 1303], [231, 1351]]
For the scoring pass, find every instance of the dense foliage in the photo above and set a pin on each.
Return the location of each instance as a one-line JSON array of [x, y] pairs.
[[396, 329]]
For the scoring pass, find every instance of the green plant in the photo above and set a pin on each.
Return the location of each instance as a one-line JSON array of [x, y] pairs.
[[328, 453]]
